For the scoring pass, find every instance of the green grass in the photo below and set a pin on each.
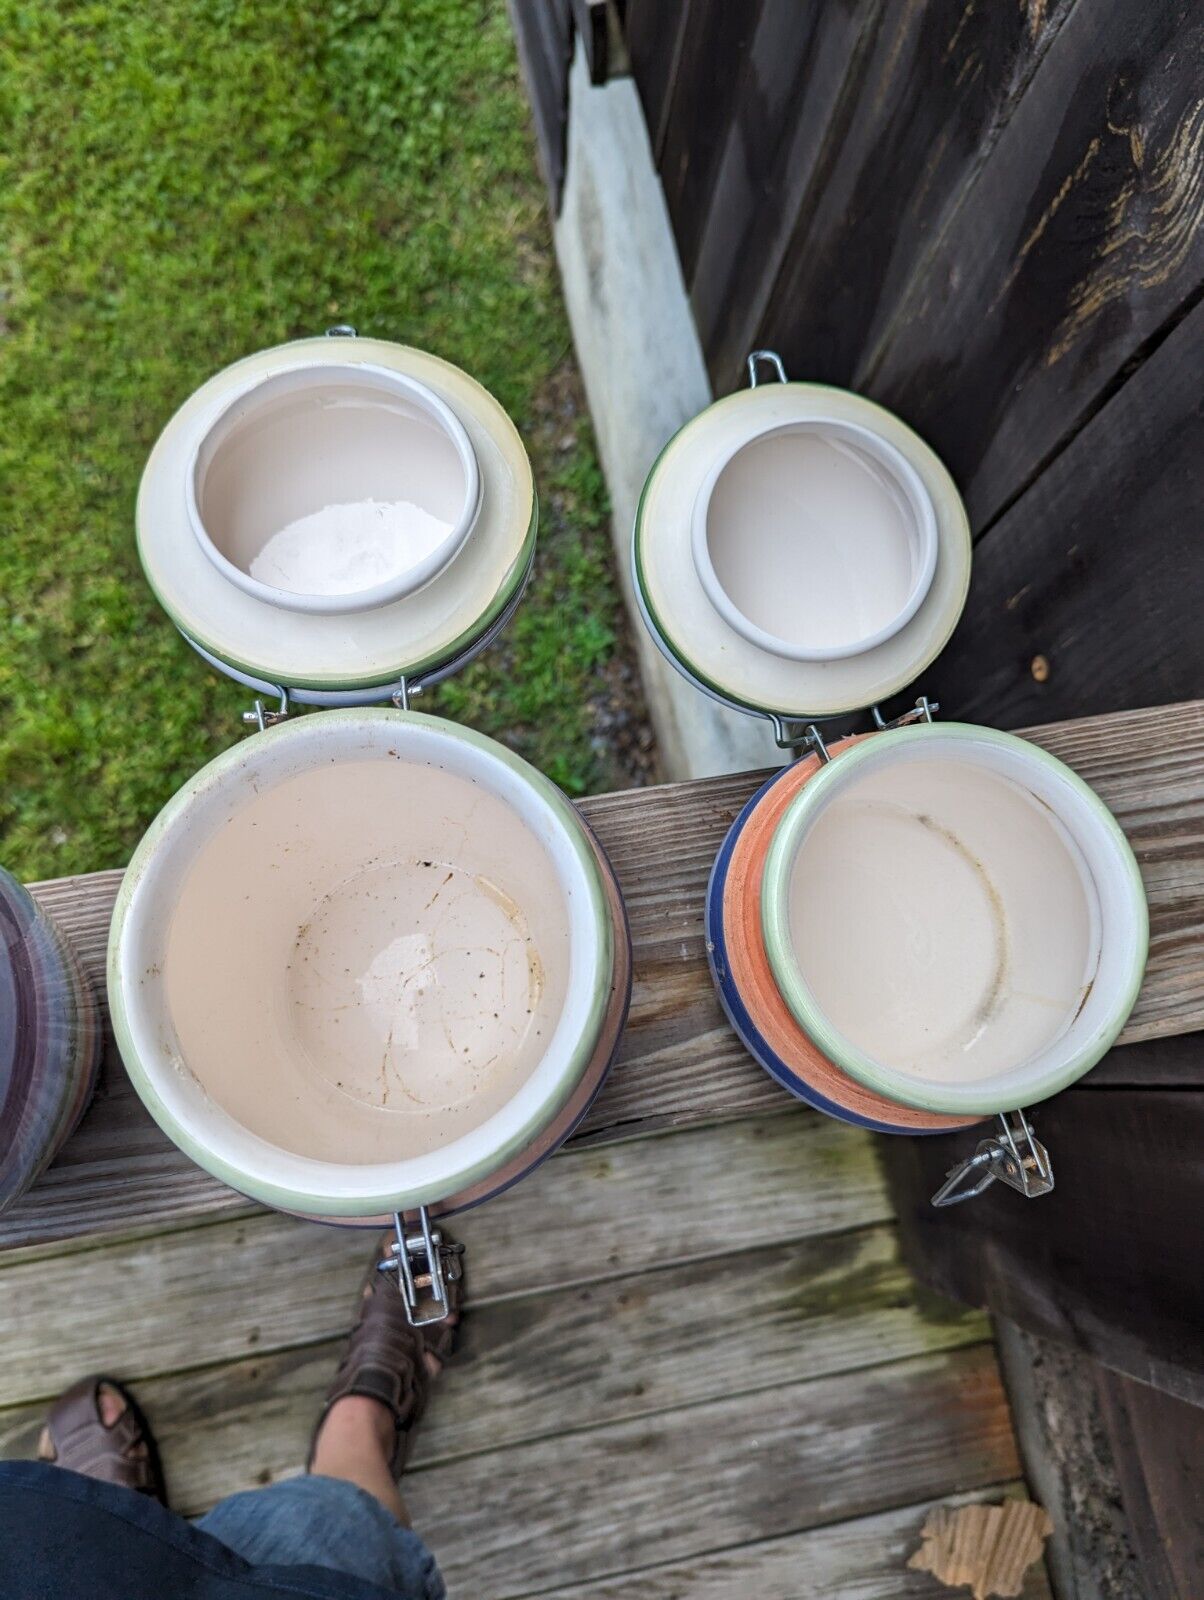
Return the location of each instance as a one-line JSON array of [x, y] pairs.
[[181, 184]]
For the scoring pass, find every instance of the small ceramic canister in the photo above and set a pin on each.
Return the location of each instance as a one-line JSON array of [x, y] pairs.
[[338, 520], [50, 1040], [800, 554], [368, 965]]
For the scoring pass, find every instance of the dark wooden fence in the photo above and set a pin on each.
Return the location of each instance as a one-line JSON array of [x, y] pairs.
[[988, 217]]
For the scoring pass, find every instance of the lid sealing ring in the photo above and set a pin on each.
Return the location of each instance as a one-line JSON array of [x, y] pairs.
[[1015, 1156]]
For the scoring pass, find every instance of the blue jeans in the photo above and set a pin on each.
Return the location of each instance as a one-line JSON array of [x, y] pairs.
[[305, 1539], [325, 1522]]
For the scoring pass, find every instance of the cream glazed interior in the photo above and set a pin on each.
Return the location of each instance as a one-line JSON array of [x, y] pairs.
[[333, 488], [384, 992], [372, 954], [955, 918]]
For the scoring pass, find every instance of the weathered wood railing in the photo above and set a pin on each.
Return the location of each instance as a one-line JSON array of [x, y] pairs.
[[1126, 1143]]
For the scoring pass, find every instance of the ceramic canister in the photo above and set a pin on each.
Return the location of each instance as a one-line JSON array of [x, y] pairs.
[[368, 964], [367, 961], [336, 517], [799, 553], [50, 1040], [954, 918]]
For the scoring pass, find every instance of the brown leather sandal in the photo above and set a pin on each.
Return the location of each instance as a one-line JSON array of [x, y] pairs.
[[383, 1356], [82, 1441]]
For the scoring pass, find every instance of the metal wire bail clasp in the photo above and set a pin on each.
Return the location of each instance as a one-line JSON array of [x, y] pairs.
[[771, 358], [1014, 1156], [424, 1266], [261, 716]]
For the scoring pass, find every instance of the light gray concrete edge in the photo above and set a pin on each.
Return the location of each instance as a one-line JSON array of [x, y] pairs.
[[644, 377]]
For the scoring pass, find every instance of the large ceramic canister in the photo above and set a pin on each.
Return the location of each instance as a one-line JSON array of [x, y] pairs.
[[335, 516], [366, 962], [50, 1040]]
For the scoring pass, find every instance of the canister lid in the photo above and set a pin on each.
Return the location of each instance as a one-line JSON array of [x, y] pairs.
[[725, 589], [330, 648]]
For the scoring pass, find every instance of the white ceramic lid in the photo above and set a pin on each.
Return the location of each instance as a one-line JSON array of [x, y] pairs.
[[333, 488], [418, 632], [689, 627]]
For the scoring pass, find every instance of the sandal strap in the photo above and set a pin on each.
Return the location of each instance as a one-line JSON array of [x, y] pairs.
[[383, 1358], [84, 1443]]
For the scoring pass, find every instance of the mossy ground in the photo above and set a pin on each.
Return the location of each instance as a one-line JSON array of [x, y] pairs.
[[181, 184]]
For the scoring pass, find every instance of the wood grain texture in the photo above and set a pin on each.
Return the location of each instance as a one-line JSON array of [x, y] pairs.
[[591, 1355], [543, 32], [583, 1503], [679, 1063], [585, 1217], [710, 80], [1079, 240], [798, 91], [938, 85], [1097, 568], [656, 31], [865, 1559], [1159, 1448], [756, 1466], [1110, 1261]]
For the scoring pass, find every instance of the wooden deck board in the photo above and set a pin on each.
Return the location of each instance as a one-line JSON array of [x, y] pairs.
[[865, 1559], [575, 1503], [530, 1369], [182, 1299], [674, 1485], [679, 1061]]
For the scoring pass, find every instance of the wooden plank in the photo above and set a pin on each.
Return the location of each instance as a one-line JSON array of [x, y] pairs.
[[1159, 1448], [800, 85], [655, 31], [776, 1461], [938, 86], [588, 1215], [1110, 1261], [1176, 1063], [1079, 242], [577, 1505], [711, 80], [865, 1559], [598, 1352], [543, 31], [1095, 570], [679, 1062]]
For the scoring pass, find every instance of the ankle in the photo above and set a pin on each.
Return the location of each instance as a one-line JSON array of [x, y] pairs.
[[355, 1426]]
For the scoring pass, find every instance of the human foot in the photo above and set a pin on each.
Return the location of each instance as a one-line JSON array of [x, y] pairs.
[[384, 1378], [96, 1428]]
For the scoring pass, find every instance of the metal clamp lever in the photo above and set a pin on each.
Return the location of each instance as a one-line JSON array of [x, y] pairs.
[[423, 1262], [1014, 1156], [812, 740], [772, 359], [260, 717]]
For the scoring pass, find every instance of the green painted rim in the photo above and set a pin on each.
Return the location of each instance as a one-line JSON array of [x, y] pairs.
[[284, 1198], [506, 592], [775, 923], [690, 668]]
